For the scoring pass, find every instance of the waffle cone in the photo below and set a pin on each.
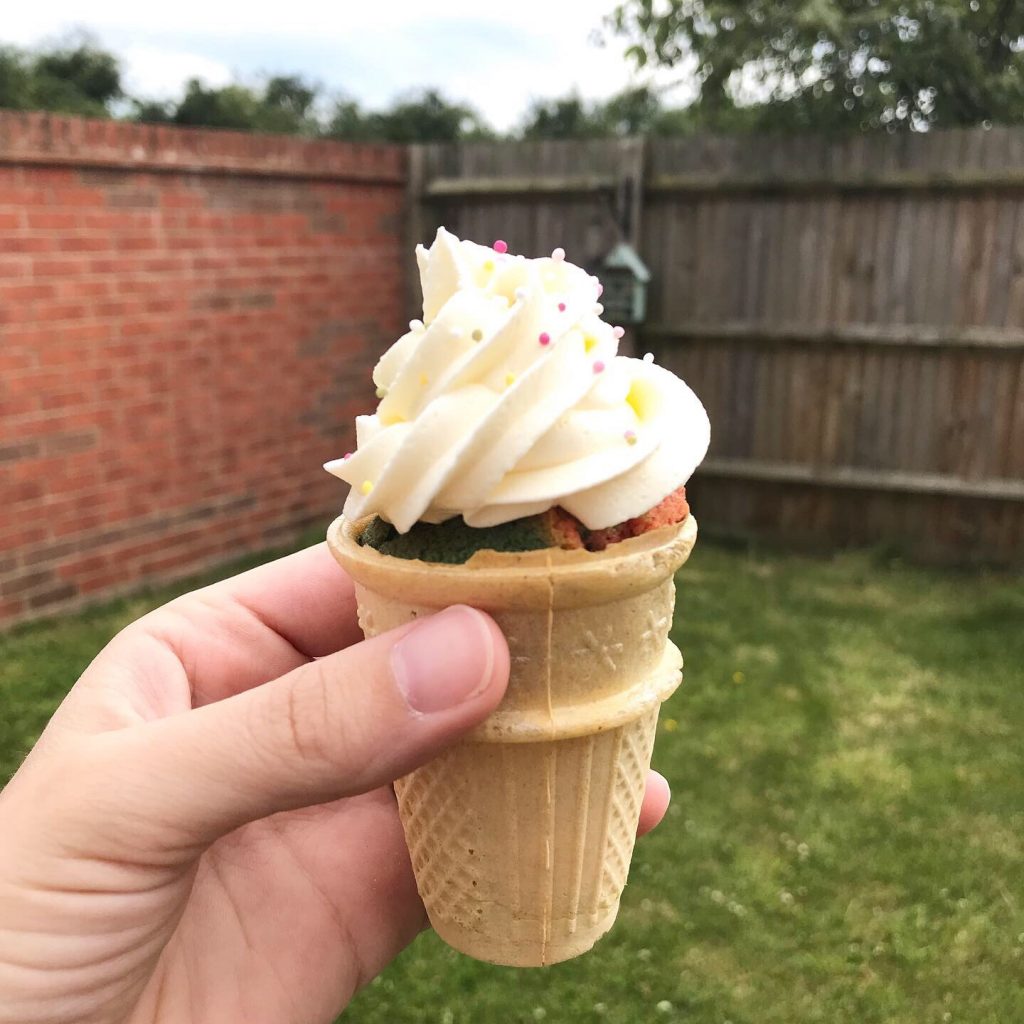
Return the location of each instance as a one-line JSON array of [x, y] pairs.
[[522, 833]]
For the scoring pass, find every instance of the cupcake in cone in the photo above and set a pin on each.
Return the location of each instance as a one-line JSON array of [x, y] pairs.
[[517, 464]]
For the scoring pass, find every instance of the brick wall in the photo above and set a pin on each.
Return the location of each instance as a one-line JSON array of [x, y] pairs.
[[187, 324]]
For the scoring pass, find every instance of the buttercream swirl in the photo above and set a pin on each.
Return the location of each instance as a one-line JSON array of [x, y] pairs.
[[509, 398]]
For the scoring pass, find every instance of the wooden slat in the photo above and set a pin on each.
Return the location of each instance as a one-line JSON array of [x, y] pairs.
[[887, 335], [861, 479], [951, 181]]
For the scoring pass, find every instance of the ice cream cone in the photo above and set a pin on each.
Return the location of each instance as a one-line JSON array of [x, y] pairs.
[[521, 834]]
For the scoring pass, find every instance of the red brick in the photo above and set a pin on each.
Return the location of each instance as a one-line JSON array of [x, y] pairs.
[[84, 243], [52, 220]]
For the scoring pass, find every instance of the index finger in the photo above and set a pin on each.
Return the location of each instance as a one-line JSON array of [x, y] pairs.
[[305, 598]]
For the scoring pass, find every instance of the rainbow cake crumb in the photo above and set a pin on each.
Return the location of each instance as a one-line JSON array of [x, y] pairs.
[[453, 542]]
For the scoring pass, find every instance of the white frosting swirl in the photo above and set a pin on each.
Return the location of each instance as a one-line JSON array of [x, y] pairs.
[[509, 398]]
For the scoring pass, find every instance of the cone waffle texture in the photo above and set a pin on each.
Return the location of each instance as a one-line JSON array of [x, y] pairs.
[[521, 834]]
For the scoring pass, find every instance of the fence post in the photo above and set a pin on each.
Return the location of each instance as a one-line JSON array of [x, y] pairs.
[[415, 224]]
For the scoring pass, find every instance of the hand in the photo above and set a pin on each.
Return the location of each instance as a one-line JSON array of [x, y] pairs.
[[206, 829]]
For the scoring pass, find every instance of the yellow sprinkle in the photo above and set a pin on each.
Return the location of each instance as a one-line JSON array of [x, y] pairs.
[[643, 399], [510, 379], [424, 380], [671, 725], [488, 265], [366, 486], [589, 343]]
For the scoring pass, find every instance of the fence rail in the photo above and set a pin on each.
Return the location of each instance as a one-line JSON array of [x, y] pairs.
[[851, 313]]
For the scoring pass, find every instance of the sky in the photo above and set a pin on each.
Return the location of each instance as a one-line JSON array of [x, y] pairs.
[[497, 57]]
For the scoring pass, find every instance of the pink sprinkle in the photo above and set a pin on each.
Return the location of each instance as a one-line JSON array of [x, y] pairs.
[[618, 331], [561, 307], [347, 455], [599, 367], [501, 246], [630, 436], [545, 338], [558, 254], [600, 289]]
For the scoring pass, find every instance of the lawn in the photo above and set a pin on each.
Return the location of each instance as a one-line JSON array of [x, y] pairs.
[[846, 840]]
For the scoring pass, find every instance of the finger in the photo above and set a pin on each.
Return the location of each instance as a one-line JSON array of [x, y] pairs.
[[335, 727], [305, 598], [655, 804], [234, 635]]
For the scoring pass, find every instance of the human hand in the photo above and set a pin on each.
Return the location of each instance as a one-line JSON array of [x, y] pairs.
[[206, 829]]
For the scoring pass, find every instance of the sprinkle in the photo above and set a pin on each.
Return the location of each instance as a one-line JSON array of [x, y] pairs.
[[500, 245], [415, 325], [544, 338], [510, 379], [424, 380], [488, 265], [347, 456], [599, 367], [561, 307], [598, 308], [648, 357], [478, 335], [618, 331], [381, 392], [630, 436], [366, 486], [600, 289], [558, 254], [589, 343]]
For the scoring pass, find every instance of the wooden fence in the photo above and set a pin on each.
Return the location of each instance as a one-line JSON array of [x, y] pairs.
[[851, 313]]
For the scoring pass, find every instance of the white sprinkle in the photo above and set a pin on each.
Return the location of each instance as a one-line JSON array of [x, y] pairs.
[[648, 357], [415, 325], [558, 254], [598, 308]]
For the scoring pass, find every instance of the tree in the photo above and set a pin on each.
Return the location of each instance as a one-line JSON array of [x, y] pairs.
[[567, 118], [285, 104], [841, 64], [424, 116], [75, 78], [634, 111]]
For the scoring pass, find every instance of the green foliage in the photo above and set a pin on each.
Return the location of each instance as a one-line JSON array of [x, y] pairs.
[[423, 116], [76, 78], [637, 110], [837, 64], [846, 839]]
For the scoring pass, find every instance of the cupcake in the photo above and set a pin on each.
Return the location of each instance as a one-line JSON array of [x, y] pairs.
[[515, 462]]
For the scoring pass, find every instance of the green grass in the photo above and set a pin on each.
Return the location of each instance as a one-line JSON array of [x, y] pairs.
[[846, 840]]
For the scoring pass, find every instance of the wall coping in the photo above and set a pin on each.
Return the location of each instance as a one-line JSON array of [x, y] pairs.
[[52, 140]]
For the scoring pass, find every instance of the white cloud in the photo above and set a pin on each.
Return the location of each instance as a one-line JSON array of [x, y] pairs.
[[161, 74]]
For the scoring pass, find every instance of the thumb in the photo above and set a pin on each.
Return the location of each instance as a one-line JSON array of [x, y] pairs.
[[341, 725]]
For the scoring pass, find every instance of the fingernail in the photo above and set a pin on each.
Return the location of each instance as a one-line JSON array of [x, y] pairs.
[[445, 660]]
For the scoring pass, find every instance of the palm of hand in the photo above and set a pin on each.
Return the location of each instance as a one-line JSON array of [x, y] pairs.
[[289, 916]]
